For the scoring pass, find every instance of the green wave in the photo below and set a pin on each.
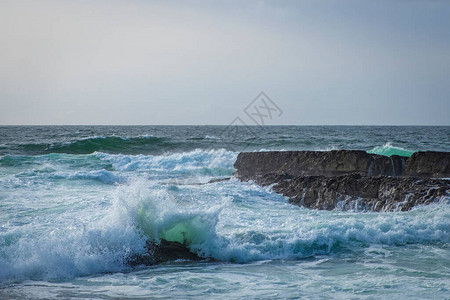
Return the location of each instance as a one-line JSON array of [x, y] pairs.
[[388, 149], [111, 144]]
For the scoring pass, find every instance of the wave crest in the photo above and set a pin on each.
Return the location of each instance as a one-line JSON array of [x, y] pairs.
[[388, 149]]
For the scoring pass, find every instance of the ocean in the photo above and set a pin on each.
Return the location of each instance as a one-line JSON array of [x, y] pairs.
[[77, 201]]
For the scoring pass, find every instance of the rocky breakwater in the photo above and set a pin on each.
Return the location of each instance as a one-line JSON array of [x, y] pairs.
[[350, 179]]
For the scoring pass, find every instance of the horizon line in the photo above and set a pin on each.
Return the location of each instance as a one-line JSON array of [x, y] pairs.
[[251, 125]]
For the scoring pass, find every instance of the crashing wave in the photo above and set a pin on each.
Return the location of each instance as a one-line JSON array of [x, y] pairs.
[[388, 149]]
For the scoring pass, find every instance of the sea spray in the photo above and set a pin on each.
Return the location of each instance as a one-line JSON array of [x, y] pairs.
[[157, 214], [66, 246]]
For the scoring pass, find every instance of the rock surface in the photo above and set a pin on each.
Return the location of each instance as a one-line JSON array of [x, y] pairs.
[[157, 253], [428, 164], [353, 191], [339, 162], [348, 179]]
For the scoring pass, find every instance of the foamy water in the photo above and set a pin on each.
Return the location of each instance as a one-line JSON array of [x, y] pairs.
[[70, 221]]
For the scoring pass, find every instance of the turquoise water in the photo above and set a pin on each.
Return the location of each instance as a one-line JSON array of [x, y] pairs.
[[76, 202]]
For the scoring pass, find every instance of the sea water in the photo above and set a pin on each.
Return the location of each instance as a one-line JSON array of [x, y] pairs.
[[77, 201]]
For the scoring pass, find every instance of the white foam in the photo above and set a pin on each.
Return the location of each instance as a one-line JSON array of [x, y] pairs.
[[100, 175], [196, 159], [212, 137], [86, 231]]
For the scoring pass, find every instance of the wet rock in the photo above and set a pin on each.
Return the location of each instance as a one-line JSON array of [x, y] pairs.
[[328, 163], [214, 180], [353, 191], [428, 164], [349, 179], [164, 251]]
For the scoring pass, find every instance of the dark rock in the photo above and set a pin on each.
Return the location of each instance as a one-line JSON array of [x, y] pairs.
[[353, 191], [161, 252], [219, 180], [428, 164], [349, 179], [329, 163]]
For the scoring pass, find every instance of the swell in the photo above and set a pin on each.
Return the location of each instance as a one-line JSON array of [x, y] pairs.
[[109, 144]]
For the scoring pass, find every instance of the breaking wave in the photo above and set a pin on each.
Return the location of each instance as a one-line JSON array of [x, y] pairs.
[[388, 149], [249, 225]]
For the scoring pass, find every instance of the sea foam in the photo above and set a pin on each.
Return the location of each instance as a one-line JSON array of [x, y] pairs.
[[196, 159], [75, 231]]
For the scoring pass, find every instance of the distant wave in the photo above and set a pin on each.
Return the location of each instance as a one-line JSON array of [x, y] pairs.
[[388, 149], [109, 144], [207, 137]]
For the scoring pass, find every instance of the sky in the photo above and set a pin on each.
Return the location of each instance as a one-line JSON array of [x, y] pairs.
[[330, 62]]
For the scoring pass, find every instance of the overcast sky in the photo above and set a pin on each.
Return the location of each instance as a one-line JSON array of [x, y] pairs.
[[202, 62]]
